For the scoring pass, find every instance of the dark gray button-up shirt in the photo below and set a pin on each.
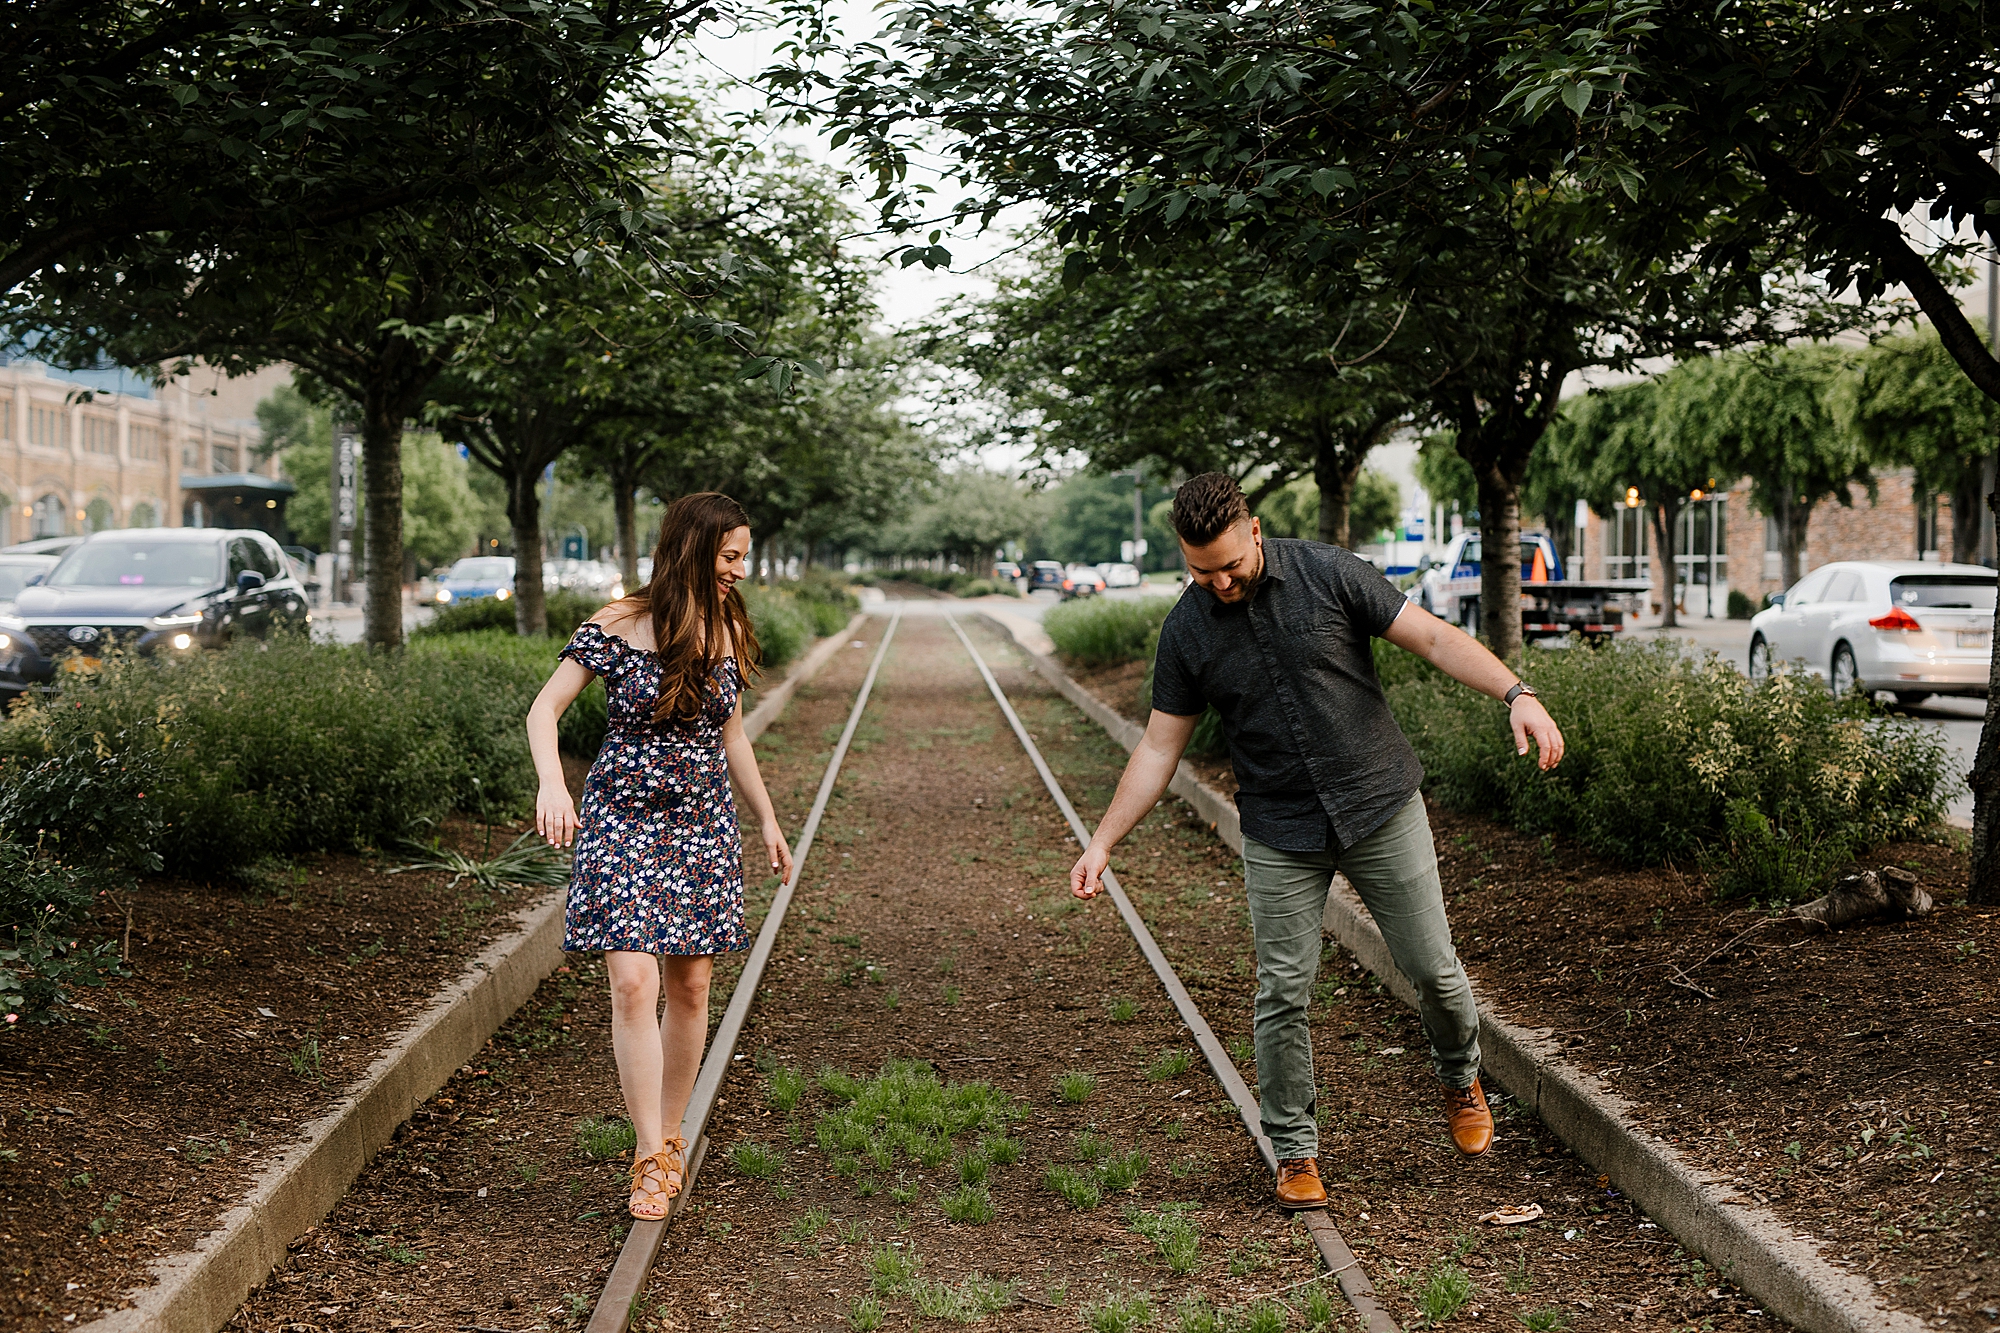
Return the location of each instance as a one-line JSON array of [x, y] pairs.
[[1292, 673]]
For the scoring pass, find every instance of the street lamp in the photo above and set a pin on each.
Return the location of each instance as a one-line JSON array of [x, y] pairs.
[[1136, 549]]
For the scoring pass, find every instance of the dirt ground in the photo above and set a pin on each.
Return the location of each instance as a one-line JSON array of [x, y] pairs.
[[126, 1132], [1846, 1079], [933, 925]]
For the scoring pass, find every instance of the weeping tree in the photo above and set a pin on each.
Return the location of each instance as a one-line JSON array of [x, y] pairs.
[[1906, 401], [1612, 440]]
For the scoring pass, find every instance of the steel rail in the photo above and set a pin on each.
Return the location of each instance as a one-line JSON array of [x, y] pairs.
[[634, 1265], [1340, 1260]]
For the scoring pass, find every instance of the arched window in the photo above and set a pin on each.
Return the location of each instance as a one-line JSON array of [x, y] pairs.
[[145, 516], [99, 515], [51, 516]]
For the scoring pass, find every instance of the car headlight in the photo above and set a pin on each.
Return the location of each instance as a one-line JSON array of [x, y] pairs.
[[175, 620], [183, 641], [503, 593], [444, 595], [6, 643]]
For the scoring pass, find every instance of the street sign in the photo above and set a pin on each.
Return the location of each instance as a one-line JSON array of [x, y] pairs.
[[574, 549]]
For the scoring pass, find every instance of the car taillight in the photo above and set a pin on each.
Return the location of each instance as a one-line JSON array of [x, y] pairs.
[[1897, 618]]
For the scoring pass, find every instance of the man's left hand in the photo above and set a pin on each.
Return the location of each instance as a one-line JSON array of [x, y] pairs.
[[1532, 721]]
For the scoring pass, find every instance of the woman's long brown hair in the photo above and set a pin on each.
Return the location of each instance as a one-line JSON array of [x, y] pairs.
[[690, 614]]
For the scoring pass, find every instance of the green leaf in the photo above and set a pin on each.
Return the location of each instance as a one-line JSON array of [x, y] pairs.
[[1576, 97]]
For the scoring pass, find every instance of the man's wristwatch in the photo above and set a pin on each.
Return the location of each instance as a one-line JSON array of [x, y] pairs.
[[1520, 688]]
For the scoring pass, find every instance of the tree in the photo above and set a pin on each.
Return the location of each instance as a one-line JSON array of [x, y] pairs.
[[1908, 402], [231, 122], [1766, 414], [968, 517], [1615, 439], [1207, 360]]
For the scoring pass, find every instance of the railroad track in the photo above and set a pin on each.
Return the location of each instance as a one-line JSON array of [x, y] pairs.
[[629, 1274]]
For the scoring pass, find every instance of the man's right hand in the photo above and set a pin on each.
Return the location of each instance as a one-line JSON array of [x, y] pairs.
[[1085, 877]]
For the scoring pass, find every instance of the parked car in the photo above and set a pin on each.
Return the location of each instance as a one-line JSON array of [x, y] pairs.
[[18, 571], [1047, 575], [590, 577], [1911, 628], [146, 590], [1006, 569], [477, 576], [42, 546], [1084, 581], [1118, 574]]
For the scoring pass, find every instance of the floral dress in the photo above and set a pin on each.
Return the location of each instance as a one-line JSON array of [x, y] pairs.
[[659, 860]]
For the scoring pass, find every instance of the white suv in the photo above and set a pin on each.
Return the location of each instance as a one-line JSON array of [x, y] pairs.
[[1912, 628]]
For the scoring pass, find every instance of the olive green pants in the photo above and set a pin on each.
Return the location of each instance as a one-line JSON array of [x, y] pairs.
[[1394, 869]]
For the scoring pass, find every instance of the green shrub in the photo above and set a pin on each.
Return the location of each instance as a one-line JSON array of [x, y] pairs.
[[1101, 631], [74, 824], [1670, 753], [286, 747], [784, 626], [1740, 605], [566, 611], [989, 588]]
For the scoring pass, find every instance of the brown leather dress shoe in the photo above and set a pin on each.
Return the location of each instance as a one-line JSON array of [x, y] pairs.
[[1298, 1184], [1471, 1123]]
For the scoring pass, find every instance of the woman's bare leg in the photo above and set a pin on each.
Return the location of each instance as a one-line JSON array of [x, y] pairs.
[[682, 1035], [635, 1041]]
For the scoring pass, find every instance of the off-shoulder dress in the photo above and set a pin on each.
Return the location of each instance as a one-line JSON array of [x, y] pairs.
[[659, 859]]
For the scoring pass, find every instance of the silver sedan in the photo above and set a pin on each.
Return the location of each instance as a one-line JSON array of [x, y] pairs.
[[1904, 626]]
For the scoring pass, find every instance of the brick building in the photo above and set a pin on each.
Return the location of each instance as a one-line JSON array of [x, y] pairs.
[[1725, 544], [130, 456]]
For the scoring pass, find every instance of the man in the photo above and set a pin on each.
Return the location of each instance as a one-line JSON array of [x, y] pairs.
[[1275, 635]]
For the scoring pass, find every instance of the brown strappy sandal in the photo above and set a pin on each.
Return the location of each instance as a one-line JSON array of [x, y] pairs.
[[649, 1203], [673, 1157]]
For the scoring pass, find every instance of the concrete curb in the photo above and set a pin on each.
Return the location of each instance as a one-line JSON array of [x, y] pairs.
[[1750, 1245], [198, 1290]]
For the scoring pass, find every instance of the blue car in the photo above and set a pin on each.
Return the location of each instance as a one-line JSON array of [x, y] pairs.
[[477, 576]]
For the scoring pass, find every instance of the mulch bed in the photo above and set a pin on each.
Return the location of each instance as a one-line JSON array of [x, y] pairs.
[[934, 923], [126, 1132], [1847, 1079]]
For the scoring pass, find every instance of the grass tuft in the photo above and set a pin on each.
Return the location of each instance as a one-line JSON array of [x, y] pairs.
[[1170, 1064], [1118, 1312], [1442, 1292], [1075, 1086], [1079, 1189], [603, 1139], [754, 1160], [1172, 1234], [784, 1088], [972, 1204]]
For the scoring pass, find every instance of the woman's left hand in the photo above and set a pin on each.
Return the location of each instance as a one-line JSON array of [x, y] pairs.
[[777, 851]]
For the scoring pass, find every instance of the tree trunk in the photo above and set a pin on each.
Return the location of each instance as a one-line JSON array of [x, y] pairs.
[[524, 514], [1965, 512], [382, 490], [1666, 527], [1792, 525], [1985, 779], [1334, 472], [1500, 562], [624, 501]]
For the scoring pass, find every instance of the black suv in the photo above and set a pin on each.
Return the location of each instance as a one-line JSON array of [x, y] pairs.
[[146, 590]]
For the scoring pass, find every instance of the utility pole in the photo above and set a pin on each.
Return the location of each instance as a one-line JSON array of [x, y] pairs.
[[1137, 547]]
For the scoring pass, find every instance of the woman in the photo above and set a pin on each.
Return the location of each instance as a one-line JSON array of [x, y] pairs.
[[659, 860]]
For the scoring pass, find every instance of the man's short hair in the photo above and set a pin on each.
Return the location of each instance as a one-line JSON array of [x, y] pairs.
[[1207, 506]]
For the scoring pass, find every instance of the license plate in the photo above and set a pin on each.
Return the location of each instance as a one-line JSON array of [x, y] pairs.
[[82, 664], [1975, 638]]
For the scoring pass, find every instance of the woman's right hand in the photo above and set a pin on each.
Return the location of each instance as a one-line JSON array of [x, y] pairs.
[[555, 815]]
